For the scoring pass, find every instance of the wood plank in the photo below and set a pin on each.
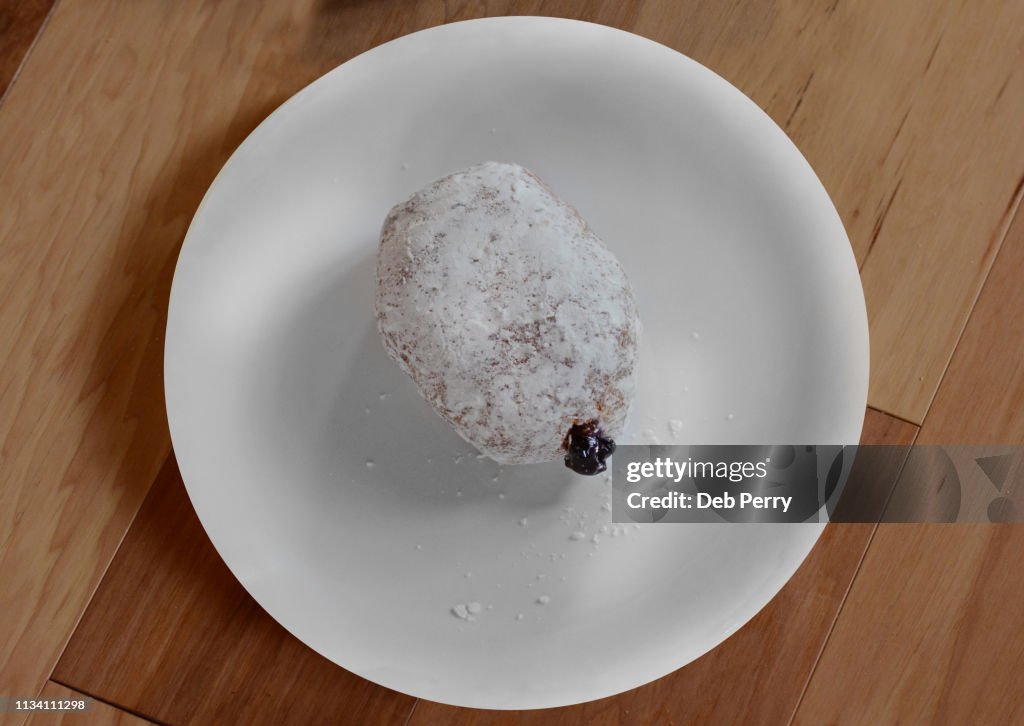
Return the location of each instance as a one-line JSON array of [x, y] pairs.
[[119, 121], [80, 331], [125, 111], [20, 21], [933, 629], [909, 113], [99, 713], [982, 396], [958, 173], [757, 675], [171, 634]]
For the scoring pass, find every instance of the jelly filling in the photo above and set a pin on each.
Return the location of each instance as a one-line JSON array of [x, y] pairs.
[[586, 448]]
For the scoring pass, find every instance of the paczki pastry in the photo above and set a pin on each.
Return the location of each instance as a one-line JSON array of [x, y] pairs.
[[513, 319]]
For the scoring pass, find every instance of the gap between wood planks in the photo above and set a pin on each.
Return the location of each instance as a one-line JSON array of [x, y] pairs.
[[1014, 209], [28, 51], [101, 699]]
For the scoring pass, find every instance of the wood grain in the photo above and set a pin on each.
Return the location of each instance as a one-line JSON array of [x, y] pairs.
[[960, 183], [124, 112], [909, 113], [99, 713], [171, 634], [932, 629], [757, 675], [20, 21], [116, 126]]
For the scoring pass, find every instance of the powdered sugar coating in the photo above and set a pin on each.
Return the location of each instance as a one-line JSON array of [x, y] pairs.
[[510, 315]]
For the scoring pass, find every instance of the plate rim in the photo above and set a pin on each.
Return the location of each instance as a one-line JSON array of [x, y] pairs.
[[367, 56]]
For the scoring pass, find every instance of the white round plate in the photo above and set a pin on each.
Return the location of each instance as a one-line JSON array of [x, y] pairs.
[[353, 514]]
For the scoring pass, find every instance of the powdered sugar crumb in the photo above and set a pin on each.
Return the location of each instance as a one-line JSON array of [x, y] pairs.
[[467, 610]]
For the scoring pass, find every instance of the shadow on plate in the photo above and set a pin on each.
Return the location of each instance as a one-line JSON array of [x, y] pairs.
[[344, 411]]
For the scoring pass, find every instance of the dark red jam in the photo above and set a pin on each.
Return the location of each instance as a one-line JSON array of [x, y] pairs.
[[586, 448]]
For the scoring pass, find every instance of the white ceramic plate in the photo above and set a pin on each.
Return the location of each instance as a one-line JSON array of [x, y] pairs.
[[352, 513]]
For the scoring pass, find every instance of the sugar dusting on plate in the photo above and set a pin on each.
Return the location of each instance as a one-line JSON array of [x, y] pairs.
[[467, 610]]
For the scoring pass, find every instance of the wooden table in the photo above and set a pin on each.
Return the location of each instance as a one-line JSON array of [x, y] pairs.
[[116, 117]]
